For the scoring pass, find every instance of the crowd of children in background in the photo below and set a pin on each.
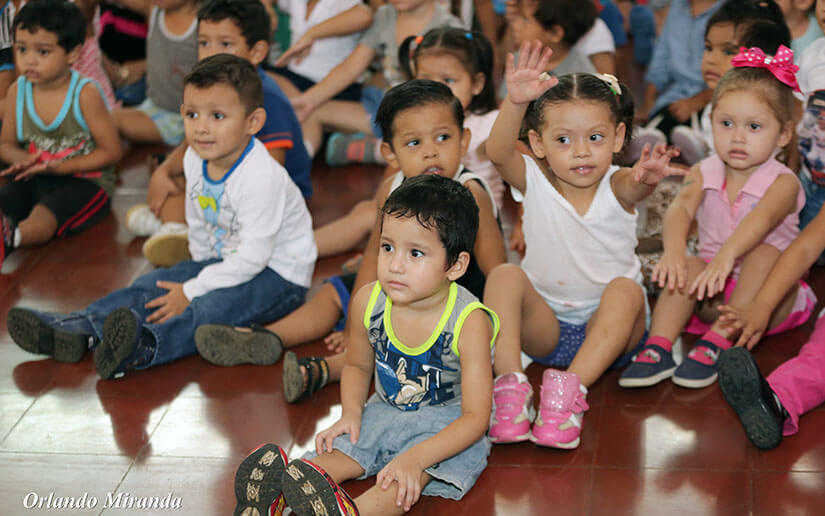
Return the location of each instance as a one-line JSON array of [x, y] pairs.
[[726, 132]]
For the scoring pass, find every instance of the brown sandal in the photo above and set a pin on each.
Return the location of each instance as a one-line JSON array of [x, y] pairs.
[[296, 386]]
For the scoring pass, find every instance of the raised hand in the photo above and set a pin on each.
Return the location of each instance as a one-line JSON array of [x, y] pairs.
[[527, 79], [654, 165]]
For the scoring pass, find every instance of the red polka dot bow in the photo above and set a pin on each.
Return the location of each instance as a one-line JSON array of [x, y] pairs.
[[781, 65]]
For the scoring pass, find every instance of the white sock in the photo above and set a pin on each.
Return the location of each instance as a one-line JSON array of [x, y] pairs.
[[17, 237], [522, 378], [310, 148]]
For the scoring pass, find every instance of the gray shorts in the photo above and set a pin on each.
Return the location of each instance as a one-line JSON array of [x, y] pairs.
[[386, 432]]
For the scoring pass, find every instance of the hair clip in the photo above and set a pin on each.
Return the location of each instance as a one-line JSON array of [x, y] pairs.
[[419, 39], [468, 35], [612, 83], [780, 66]]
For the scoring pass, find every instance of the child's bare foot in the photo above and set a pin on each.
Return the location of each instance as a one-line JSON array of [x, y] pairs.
[[303, 376]]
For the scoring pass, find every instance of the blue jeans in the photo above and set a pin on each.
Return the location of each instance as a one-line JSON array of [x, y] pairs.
[[264, 298], [814, 197]]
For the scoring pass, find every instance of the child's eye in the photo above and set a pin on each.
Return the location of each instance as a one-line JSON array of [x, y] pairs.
[[411, 143], [596, 137], [755, 127], [226, 44], [727, 123], [563, 139], [442, 137], [708, 48], [191, 115], [218, 116], [731, 52], [203, 43], [387, 248], [416, 253], [449, 80], [43, 52]]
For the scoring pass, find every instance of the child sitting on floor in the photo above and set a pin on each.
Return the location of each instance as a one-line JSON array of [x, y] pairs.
[[746, 205], [427, 341], [61, 176], [250, 236], [423, 122]]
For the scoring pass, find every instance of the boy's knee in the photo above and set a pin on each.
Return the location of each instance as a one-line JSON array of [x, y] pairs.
[[629, 289]]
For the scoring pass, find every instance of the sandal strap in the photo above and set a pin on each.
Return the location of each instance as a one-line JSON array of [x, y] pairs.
[[314, 382]]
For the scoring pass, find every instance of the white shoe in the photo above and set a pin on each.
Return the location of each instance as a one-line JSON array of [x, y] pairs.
[[140, 220], [691, 145], [168, 246], [643, 136]]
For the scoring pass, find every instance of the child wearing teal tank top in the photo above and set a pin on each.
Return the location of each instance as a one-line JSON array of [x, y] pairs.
[[57, 136]]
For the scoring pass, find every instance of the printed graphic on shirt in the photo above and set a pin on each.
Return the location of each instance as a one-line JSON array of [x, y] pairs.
[[410, 381], [811, 131], [218, 212]]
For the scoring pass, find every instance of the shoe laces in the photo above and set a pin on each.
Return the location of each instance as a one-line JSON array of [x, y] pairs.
[[704, 355]]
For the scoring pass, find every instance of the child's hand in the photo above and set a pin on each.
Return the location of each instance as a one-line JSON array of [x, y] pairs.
[[345, 425], [753, 320], [38, 168], [654, 165], [406, 470], [298, 51], [671, 270], [517, 238], [303, 106], [525, 81], [17, 168], [336, 342], [712, 280], [161, 186], [168, 305]]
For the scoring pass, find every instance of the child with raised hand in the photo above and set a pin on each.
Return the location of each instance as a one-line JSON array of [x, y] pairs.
[[577, 299], [427, 341], [746, 207], [250, 236], [61, 176], [171, 52], [423, 122], [464, 62], [770, 408]]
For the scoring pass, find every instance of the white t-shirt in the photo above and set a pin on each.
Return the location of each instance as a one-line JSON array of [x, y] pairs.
[[255, 217], [597, 40], [811, 74], [480, 127], [326, 53], [571, 258]]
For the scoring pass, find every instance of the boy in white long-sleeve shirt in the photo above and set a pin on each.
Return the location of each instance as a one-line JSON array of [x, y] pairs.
[[250, 237]]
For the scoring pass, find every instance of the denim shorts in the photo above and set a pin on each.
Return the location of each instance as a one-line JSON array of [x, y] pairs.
[[571, 337], [343, 287], [386, 432], [169, 123], [371, 98]]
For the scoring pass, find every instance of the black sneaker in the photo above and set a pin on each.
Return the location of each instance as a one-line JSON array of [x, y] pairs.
[[751, 397], [124, 345], [7, 227], [66, 337]]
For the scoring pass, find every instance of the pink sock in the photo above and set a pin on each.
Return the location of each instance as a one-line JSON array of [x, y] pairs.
[[713, 337], [662, 342]]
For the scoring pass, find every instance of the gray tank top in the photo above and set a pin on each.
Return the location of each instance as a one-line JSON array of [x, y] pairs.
[[169, 58]]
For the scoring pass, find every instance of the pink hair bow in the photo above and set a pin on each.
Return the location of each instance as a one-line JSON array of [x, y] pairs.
[[781, 65]]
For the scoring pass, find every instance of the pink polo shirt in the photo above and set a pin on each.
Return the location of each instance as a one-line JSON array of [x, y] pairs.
[[717, 218]]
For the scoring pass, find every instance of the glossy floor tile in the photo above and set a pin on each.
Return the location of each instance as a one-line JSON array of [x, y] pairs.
[[178, 432]]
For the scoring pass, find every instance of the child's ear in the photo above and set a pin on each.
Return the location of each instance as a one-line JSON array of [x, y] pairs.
[[389, 155], [479, 80], [786, 134], [73, 55], [465, 140], [536, 144], [258, 52], [621, 129], [555, 34], [255, 121], [458, 269]]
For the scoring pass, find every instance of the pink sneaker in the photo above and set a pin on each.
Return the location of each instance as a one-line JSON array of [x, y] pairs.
[[561, 410], [512, 409]]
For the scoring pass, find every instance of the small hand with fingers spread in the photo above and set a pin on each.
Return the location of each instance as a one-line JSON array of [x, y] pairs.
[[168, 305], [336, 342], [406, 471], [298, 51], [752, 319], [711, 281], [654, 165], [671, 271], [17, 169], [346, 425], [527, 79]]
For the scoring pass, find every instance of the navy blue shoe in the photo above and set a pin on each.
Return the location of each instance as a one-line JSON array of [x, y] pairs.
[[651, 365], [698, 369], [124, 344], [66, 337], [751, 397]]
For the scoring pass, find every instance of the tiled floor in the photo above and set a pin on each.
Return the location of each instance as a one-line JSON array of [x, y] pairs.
[[183, 428]]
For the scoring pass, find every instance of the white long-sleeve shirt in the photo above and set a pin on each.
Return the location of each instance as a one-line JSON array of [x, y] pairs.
[[254, 217]]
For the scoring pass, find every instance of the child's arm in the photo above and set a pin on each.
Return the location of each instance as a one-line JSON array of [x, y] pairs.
[[369, 263], [672, 266], [354, 19], [489, 247], [525, 83], [102, 128], [162, 184], [338, 79], [754, 318], [476, 401], [778, 202], [631, 185], [356, 376], [10, 150]]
